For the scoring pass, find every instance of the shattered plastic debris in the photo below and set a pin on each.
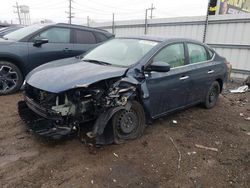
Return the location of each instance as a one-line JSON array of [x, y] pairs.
[[206, 148], [174, 122], [241, 89], [115, 155], [247, 81], [248, 118], [191, 153]]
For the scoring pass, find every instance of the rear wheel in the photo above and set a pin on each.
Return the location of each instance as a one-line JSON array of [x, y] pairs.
[[212, 95], [129, 124], [11, 78]]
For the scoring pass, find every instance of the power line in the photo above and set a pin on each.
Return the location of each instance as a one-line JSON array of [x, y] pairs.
[[108, 6], [101, 10], [50, 8], [106, 13], [45, 4]]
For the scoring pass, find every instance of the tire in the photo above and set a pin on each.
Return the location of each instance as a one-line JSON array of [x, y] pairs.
[[11, 78], [212, 95], [129, 124]]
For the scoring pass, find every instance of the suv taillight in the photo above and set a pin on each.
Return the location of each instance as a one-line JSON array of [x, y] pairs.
[[227, 62]]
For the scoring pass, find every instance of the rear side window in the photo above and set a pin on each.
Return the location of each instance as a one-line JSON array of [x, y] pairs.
[[57, 35], [84, 37], [100, 37], [172, 54], [197, 53], [210, 54]]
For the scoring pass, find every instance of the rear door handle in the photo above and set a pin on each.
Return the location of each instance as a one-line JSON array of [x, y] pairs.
[[184, 77], [210, 71]]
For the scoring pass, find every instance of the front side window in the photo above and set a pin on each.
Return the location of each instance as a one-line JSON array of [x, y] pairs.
[[172, 54], [84, 37], [57, 35], [197, 53]]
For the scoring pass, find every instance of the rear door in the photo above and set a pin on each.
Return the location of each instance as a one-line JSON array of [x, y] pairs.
[[58, 47], [83, 41], [169, 91], [203, 70]]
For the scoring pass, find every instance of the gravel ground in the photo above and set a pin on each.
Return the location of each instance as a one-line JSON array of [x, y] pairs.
[[150, 161]]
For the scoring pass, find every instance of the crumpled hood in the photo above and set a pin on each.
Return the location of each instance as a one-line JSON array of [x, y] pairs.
[[65, 74]]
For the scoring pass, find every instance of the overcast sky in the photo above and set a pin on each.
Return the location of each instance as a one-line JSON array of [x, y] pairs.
[[101, 10]]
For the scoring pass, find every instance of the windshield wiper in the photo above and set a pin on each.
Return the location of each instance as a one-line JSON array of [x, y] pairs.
[[96, 61], [5, 38]]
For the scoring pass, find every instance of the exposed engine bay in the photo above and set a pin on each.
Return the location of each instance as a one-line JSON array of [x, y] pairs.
[[55, 115]]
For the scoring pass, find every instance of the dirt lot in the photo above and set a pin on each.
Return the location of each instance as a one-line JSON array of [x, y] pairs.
[[151, 161]]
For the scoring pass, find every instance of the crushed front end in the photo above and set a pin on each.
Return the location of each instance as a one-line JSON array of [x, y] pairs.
[[56, 115]]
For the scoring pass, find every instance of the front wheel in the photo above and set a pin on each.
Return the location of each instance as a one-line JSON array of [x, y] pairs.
[[212, 95], [11, 78], [129, 124]]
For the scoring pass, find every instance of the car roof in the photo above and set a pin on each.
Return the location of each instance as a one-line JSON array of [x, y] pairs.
[[75, 26], [82, 27], [161, 38]]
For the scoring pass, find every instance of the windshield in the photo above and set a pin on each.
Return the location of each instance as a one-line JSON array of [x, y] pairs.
[[121, 52], [21, 33]]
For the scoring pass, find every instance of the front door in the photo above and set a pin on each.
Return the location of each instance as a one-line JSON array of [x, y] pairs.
[[59, 47], [169, 91]]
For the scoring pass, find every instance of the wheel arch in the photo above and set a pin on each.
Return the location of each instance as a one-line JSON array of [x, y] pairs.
[[15, 60], [220, 81]]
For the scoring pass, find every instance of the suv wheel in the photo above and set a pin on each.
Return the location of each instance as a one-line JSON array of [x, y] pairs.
[[129, 124], [11, 78], [212, 95]]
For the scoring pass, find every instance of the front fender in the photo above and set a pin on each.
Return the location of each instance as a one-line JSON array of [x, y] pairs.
[[104, 118]]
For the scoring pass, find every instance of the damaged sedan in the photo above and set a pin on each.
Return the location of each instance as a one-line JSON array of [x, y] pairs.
[[115, 90]]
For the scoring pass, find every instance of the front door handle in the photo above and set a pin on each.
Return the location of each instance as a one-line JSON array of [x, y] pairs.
[[210, 71], [67, 50], [184, 77]]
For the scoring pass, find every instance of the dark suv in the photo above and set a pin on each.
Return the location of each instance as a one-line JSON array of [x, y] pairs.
[[23, 50]]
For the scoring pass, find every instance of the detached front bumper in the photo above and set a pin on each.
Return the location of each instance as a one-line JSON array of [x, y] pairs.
[[38, 121]]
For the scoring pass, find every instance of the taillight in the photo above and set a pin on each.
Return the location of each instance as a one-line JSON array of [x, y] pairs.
[[227, 62]]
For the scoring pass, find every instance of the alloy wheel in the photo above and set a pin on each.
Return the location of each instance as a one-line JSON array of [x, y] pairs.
[[8, 78]]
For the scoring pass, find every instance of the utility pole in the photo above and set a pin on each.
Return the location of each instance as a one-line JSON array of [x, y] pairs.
[[18, 13], [151, 11], [206, 24], [70, 12], [113, 24], [146, 17], [146, 22], [88, 21]]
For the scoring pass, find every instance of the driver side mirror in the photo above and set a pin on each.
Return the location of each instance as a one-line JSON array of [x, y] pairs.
[[38, 41], [158, 66]]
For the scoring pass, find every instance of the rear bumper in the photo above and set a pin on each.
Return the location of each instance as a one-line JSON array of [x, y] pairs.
[[37, 123]]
